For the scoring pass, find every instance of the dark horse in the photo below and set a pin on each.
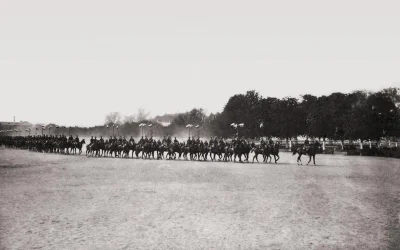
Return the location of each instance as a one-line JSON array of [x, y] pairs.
[[271, 150], [311, 152], [78, 145]]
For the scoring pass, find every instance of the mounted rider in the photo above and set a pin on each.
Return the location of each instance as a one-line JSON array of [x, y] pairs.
[[169, 141], [262, 142], [176, 142], [131, 140], [306, 144], [141, 141], [71, 139], [77, 139], [271, 142], [101, 140], [189, 141], [221, 142]]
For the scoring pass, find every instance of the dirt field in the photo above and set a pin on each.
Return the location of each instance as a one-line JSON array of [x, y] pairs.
[[69, 202]]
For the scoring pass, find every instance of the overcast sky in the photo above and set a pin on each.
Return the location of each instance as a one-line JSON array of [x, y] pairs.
[[71, 62]]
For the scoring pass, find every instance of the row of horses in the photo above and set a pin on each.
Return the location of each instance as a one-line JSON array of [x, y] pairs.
[[228, 152], [47, 146]]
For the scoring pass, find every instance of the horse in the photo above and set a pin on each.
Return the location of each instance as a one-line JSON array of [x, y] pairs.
[[310, 151], [204, 150], [78, 145], [271, 150], [216, 149], [173, 149], [257, 151], [194, 151]]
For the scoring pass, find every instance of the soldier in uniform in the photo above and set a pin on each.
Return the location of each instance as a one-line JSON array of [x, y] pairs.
[[188, 142], [271, 142], [101, 140], [141, 141], [77, 139], [221, 141], [131, 140], [306, 144], [70, 138], [169, 141], [262, 142], [176, 141]]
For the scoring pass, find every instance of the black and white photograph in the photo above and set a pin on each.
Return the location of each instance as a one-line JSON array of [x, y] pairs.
[[208, 124]]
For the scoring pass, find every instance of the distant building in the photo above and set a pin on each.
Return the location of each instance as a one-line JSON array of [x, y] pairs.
[[3, 125]]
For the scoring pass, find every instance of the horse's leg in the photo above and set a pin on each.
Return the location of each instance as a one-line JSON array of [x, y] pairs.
[[276, 161], [314, 159], [309, 160]]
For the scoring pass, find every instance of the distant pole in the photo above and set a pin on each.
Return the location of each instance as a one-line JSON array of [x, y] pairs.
[[108, 132], [151, 130], [118, 130], [189, 126], [113, 129]]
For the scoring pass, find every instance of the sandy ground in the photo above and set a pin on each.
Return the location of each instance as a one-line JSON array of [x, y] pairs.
[[72, 202]]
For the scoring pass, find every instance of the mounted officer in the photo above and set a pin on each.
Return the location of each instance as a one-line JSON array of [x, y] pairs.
[[271, 142], [262, 142], [101, 140], [169, 141], [71, 139], [77, 139], [176, 142], [306, 144], [131, 140], [189, 141], [221, 141]]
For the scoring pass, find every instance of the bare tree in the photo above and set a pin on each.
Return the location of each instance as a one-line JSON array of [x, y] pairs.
[[142, 115], [113, 117], [129, 119]]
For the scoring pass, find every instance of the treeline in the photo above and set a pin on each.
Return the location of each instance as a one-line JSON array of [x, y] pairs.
[[339, 116], [358, 115]]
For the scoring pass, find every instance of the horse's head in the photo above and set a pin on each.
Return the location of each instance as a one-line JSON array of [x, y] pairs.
[[295, 151], [83, 141]]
